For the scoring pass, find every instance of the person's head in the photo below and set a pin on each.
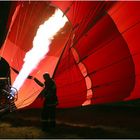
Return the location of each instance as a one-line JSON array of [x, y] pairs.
[[46, 76]]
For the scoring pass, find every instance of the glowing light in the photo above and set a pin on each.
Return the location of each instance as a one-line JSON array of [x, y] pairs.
[[41, 42]]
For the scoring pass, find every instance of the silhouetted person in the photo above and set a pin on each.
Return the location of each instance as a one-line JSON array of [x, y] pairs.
[[49, 106]]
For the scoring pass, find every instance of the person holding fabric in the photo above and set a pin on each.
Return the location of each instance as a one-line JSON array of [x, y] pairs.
[[51, 101]]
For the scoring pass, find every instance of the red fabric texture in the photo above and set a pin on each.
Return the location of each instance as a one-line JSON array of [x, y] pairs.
[[105, 36]]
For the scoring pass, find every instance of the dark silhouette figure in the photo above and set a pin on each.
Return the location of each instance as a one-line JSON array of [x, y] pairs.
[[6, 105], [49, 107]]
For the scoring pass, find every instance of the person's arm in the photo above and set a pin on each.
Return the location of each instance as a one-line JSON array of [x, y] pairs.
[[38, 82]]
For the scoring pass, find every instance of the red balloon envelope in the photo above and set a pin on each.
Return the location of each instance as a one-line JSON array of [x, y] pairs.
[[94, 59]]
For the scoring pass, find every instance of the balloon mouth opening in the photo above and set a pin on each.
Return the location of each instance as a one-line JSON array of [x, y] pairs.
[[62, 34]]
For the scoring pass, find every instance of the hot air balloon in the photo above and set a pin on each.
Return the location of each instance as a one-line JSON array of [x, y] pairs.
[[94, 58]]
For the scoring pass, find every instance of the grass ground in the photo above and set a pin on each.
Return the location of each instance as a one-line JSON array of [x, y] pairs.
[[90, 122]]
